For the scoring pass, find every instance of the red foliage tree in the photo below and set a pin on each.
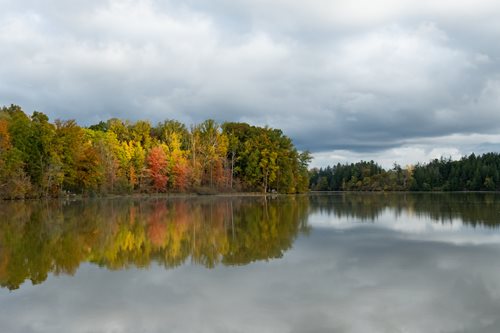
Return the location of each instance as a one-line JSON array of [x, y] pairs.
[[157, 167], [181, 172]]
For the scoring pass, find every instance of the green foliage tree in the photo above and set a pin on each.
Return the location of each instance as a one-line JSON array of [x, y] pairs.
[[264, 159]]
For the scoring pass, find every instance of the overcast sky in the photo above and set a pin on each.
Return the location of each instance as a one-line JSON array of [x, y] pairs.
[[391, 80]]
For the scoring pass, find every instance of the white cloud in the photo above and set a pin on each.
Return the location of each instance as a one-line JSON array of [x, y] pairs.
[[413, 151], [405, 155], [332, 76]]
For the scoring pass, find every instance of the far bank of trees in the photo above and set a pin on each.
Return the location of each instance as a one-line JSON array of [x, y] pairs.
[[39, 158], [471, 173]]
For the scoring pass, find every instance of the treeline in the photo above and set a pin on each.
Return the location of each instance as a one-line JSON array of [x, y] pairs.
[[43, 159], [471, 173]]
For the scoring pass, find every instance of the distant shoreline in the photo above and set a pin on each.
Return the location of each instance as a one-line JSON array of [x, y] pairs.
[[78, 197], [151, 196]]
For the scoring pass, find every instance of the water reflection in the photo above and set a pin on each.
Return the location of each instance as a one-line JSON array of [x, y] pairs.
[[39, 238], [368, 271], [468, 208]]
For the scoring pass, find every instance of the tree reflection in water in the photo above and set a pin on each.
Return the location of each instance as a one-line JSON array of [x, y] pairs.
[[472, 208], [43, 237], [38, 238]]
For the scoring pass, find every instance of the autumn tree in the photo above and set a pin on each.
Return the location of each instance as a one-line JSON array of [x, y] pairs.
[[105, 145], [210, 148], [157, 168], [14, 183], [177, 164], [164, 131]]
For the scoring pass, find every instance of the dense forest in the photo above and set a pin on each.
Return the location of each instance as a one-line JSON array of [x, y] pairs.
[[43, 159], [471, 173]]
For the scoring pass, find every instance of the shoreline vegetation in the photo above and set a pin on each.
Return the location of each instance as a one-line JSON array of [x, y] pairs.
[[42, 159], [164, 195], [191, 195]]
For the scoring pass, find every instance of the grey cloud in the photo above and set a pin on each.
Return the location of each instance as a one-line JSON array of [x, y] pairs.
[[331, 76]]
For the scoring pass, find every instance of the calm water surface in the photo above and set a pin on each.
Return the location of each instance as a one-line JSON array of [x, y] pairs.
[[317, 263]]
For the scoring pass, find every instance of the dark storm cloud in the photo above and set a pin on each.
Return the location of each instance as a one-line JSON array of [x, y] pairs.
[[345, 76]]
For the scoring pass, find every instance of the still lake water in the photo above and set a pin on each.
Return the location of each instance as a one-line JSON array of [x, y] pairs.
[[313, 263]]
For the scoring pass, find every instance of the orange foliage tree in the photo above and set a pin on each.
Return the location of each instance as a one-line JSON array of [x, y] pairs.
[[157, 167]]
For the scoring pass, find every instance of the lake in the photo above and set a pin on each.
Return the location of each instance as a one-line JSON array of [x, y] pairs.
[[339, 262]]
